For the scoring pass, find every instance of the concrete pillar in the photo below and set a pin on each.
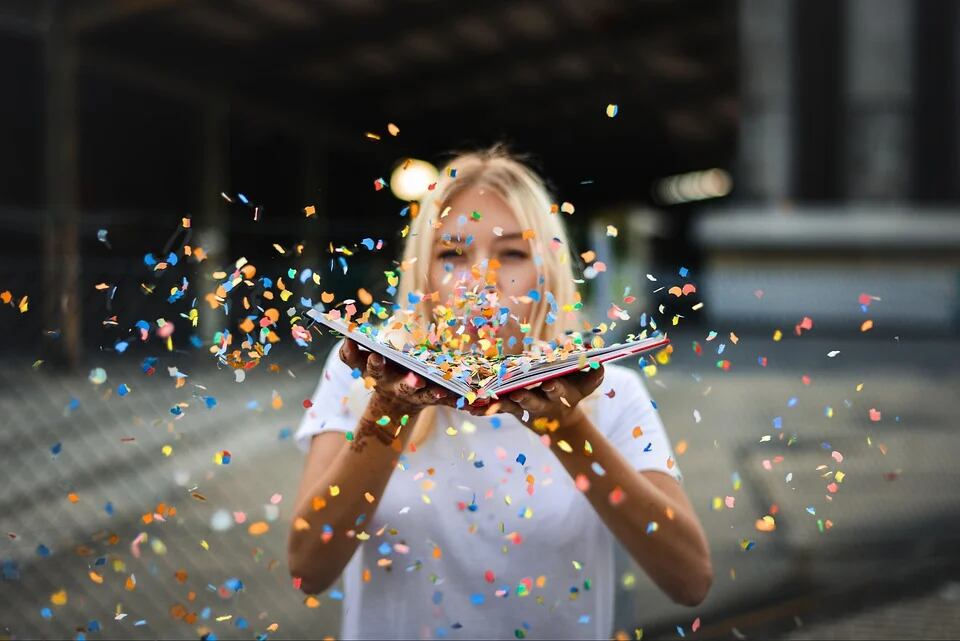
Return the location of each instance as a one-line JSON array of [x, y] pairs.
[[61, 241], [878, 97], [765, 153], [213, 225]]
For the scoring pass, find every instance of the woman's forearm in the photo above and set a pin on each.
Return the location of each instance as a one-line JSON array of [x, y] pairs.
[[674, 551], [343, 498]]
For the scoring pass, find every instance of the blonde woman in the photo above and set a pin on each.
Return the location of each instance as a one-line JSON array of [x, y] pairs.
[[469, 523]]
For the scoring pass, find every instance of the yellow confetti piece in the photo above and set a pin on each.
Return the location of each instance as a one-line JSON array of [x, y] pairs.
[[612, 231], [612, 110], [204, 544], [259, 528], [777, 335], [166, 450], [334, 490], [563, 445], [426, 499], [370, 497], [59, 598], [23, 305], [392, 129]]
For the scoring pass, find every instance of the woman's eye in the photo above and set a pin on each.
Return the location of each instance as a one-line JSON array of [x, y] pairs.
[[449, 254], [515, 254]]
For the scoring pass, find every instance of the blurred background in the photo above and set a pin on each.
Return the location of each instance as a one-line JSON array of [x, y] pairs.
[[796, 162]]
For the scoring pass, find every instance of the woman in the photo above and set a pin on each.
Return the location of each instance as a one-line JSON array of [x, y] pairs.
[[479, 525]]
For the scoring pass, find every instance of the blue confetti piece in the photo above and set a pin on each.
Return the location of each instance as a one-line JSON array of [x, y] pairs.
[[437, 597], [93, 626], [584, 618], [210, 402], [80, 636], [243, 199], [56, 449], [43, 551], [285, 433], [477, 599], [122, 389], [521, 458], [241, 623], [461, 402], [9, 570], [100, 562], [649, 447], [176, 410], [654, 403], [73, 404], [680, 631], [46, 613], [478, 464], [534, 294], [684, 271], [172, 258], [356, 373], [149, 260], [778, 422], [121, 346], [234, 584], [792, 402], [108, 508], [496, 422], [384, 549], [140, 623], [336, 595], [368, 243]]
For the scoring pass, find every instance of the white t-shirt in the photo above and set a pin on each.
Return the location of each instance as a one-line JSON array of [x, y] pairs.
[[483, 533]]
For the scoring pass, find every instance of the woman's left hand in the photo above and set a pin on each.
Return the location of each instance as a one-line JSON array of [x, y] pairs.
[[548, 406]]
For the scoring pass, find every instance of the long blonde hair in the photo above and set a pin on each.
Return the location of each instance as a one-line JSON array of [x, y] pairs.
[[524, 191]]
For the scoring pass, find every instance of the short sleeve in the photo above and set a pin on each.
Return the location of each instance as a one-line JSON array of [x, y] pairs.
[[632, 423], [331, 406]]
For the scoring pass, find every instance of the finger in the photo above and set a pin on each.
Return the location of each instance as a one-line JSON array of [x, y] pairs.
[[351, 355], [506, 406], [532, 401], [376, 366], [587, 382], [559, 390], [431, 395]]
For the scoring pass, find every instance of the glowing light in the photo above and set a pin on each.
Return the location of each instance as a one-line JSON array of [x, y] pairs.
[[693, 186], [411, 179]]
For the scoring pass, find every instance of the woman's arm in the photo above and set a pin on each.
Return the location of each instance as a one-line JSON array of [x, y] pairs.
[[674, 552], [343, 480]]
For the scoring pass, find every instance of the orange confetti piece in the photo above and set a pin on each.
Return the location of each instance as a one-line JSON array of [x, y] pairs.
[[95, 577], [277, 401], [131, 583], [681, 448], [6, 297], [312, 602], [866, 326], [59, 598], [528, 234], [259, 528], [637, 432], [73, 497], [326, 297]]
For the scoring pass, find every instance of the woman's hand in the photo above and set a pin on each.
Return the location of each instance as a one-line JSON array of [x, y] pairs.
[[549, 405], [397, 390]]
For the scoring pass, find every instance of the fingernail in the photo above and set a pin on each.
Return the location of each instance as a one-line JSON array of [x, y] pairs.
[[549, 387]]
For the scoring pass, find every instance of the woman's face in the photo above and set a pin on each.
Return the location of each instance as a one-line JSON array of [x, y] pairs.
[[496, 238]]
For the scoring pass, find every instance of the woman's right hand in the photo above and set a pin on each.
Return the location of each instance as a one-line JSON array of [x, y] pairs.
[[397, 391]]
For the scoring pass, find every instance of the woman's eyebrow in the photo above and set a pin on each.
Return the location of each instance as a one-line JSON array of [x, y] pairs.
[[511, 236]]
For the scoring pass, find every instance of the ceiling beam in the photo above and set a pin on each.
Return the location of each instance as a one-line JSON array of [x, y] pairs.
[[88, 17]]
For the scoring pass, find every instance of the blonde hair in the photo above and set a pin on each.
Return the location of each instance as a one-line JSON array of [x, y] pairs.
[[524, 191]]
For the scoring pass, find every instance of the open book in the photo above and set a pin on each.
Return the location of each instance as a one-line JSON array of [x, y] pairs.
[[481, 377]]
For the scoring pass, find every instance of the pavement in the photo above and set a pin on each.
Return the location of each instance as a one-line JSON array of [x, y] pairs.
[[881, 534]]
